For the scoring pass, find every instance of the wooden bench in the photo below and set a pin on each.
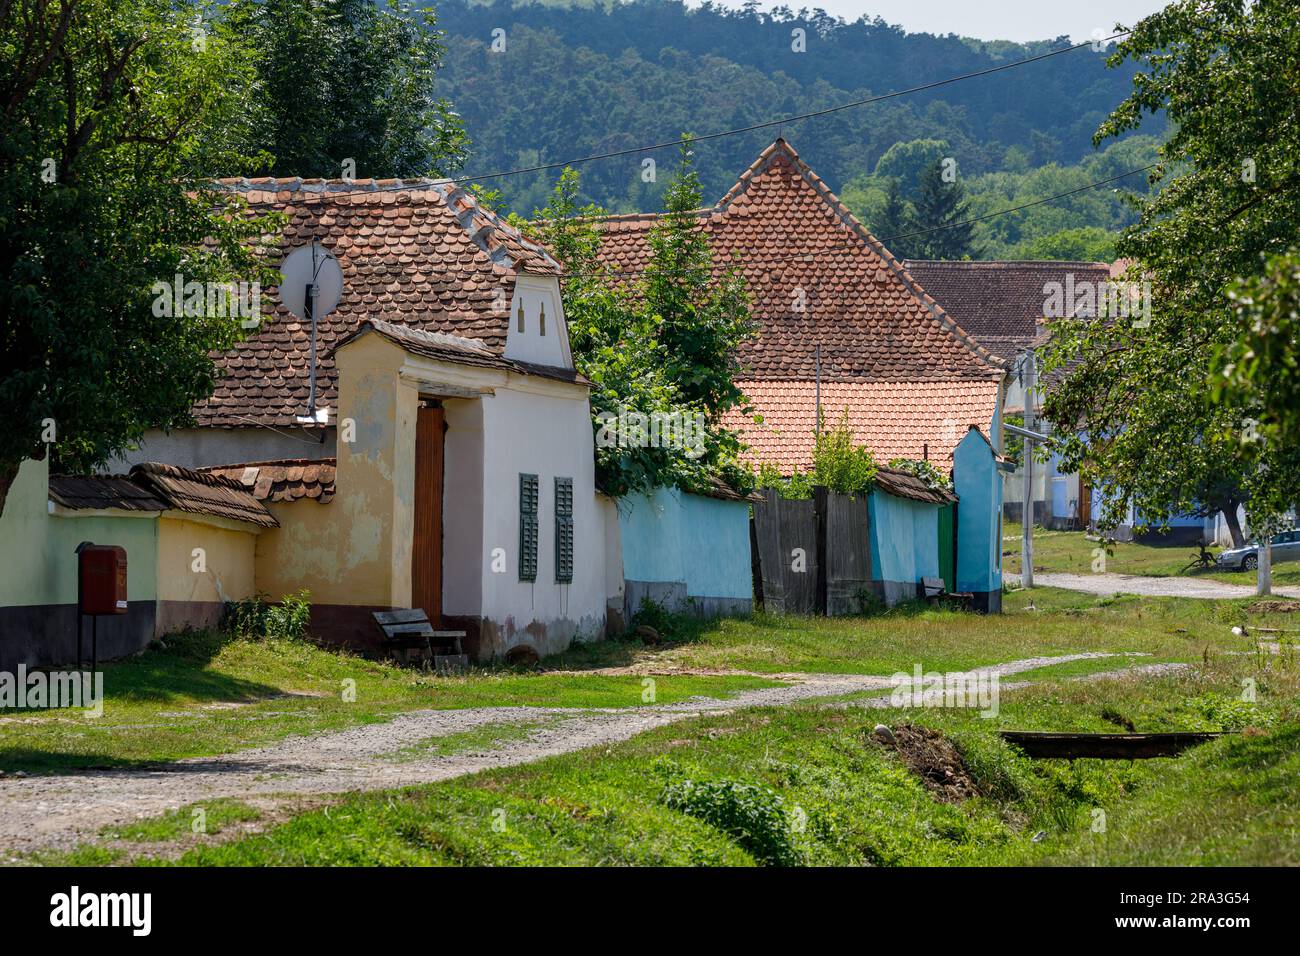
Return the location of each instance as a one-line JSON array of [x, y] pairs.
[[407, 633], [935, 591]]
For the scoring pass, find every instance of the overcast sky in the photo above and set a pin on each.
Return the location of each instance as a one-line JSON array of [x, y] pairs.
[[990, 19]]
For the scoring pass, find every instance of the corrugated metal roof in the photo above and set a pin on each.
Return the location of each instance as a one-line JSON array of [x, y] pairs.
[[94, 492], [155, 487], [202, 493]]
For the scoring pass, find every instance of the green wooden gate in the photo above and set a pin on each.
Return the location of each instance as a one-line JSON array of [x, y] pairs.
[[948, 547]]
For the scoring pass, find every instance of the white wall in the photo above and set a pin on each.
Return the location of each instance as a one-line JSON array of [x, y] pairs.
[[543, 428], [530, 345], [614, 581]]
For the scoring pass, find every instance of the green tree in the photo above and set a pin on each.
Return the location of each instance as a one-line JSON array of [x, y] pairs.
[[1082, 225], [1225, 74], [701, 318], [838, 463], [1261, 369], [613, 345], [659, 344], [110, 107], [941, 211], [909, 161], [1085, 244], [348, 80], [895, 221]]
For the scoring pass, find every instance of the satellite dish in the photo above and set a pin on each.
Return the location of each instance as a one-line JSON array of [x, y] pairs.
[[311, 289], [302, 267]]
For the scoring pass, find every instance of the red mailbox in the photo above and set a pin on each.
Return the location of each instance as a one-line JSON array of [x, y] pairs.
[[102, 577]]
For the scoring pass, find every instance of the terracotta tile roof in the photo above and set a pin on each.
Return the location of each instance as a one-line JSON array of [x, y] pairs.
[[153, 486], [454, 348], [1000, 303], [80, 492], [422, 253], [285, 480], [904, 484], [202, 493], [817, 278], [893, 419]]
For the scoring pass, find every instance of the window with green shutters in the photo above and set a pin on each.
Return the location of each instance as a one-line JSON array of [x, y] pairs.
[[527, 527], [564, 530]]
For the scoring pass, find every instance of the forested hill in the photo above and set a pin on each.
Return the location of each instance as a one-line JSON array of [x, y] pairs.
[[578, 79]]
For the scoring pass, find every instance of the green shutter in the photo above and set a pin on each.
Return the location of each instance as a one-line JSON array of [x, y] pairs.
[[527, 527], [564, 530]]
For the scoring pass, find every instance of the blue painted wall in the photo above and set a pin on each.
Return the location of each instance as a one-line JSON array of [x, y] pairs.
[[715, 547], [1135, 517], [650, 528], [978, 484], [904, 538], [1061, 498], [672, 536]]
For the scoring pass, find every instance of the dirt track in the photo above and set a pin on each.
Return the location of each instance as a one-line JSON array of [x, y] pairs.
[[60, 811], [1109, 584]]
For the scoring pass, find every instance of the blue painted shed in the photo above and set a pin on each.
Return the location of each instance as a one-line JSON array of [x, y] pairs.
[[978, 483], [905, 533]]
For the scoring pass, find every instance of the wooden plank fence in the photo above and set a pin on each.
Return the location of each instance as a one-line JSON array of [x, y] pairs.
[[847, 552], [812, 556]]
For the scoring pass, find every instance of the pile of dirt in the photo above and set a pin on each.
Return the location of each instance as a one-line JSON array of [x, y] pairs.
[[1273, 607], [933, 757]]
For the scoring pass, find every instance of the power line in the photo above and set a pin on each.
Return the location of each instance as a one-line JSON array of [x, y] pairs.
[[767, 124], [788, 119], [851, 246]]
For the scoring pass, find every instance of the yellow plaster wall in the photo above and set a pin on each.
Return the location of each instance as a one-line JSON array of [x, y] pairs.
[[227, 562], [356, 550]]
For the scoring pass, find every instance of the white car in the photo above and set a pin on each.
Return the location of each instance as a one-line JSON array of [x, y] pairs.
[[1286, 547]]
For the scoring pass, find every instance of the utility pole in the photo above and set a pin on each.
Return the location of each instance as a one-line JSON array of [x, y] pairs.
[[1264, 570], [817, 426], [1031, 438], [311, 299], [1029, 369]]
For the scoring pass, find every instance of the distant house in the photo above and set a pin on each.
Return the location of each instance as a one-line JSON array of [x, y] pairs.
[[838, 316], [1008, 306], [1004, 305]]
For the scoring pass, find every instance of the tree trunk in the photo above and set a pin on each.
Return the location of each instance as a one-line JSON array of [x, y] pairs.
[[1234, 526]]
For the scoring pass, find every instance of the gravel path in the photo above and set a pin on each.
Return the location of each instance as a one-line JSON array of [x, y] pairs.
[[1108, 584], [60, 811]]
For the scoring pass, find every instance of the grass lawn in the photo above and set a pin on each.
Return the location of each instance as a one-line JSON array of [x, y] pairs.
[[480, 739], [1047, 621], [207, 695], [217, 815], [803, 785], [1072, 552]]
